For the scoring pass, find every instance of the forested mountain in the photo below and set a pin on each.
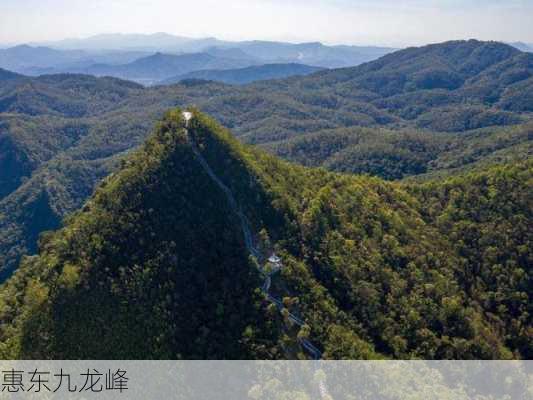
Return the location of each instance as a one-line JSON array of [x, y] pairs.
[[181, 272], [454, 86], [396, 154], [61, 134], [241, 76], [155, 263]]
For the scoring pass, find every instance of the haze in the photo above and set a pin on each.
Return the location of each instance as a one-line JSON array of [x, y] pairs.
[[379, 22]]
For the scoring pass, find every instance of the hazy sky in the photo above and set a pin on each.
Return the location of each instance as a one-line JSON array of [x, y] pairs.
[[386, 22]]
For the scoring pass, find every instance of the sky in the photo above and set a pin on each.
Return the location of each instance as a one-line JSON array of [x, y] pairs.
[[368, 22]]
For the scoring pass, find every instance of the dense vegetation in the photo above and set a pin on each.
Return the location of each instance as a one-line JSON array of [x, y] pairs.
[[377, 269], [396, 154], [150, 267], [60, 134]]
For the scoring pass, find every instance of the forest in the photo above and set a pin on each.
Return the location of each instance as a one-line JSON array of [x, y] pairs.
[[398, 194], [434, 269]]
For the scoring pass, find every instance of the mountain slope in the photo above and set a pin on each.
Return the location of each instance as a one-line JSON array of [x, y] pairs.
[[246, 75], [375, 269], [55, 150], [396, 154]]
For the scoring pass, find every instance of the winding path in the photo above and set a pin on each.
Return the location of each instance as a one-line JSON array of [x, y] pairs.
[[248, 240], [311, 349]]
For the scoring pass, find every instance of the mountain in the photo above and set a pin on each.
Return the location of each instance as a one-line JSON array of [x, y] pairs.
[[144, 42], [231, 53], [314, 53], [398, 154], [264, 51], [156, 264], [451, 87], [246, 75], [8, 75], [160, 66], [63, 133], [130, 56], [55, 144], [198, 276], [20, 57], [31, 60]]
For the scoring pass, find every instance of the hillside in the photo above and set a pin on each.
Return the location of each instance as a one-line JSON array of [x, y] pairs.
[[241, 76], [63, 133], [397, 154], [157, 257]]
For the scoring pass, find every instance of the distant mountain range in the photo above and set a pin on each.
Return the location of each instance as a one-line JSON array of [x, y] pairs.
[[246, 75], [158, 67], [149, 42], [312, 53], [33, 60], [146, 68], [149, 59]]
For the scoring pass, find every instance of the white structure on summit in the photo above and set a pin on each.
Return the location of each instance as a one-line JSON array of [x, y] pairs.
[[274, 259], [187, 115]]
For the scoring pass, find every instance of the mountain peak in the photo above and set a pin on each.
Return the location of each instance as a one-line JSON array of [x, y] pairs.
[[185, 240]]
